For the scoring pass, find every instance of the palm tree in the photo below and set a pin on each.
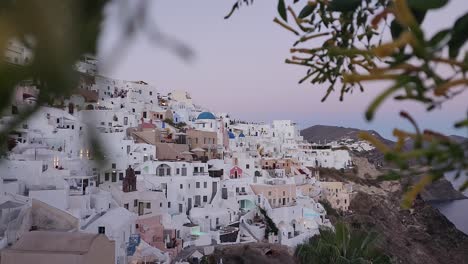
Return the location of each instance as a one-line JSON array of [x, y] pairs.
[[343, 246]]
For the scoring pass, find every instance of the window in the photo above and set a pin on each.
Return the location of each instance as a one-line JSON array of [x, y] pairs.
[[177, 171], [205, 185], [247, 166], [160, 205], [269, 193], [114, 177], [181, 186], [148, 205], [106, 176], [168, 204], [121, 176], [197, 185], [114, 165], [205, 198], [135, 203], [126, 206]]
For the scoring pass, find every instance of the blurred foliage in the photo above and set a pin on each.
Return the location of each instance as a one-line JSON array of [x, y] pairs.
[[391, 176], [58, 33], [342, 245], [329, 209], [341, 44]]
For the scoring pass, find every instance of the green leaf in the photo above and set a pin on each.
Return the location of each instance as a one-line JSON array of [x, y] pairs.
[[344, 5], [426, 4], [395, 29], [464, 186], [459, 35], [282, 10], [437, 40], [306, 11], [419, 14]]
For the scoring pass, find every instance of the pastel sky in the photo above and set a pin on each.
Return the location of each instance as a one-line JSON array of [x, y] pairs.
[[239, 67]]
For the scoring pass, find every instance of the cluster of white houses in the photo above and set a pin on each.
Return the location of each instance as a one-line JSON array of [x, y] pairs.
[[174, 176]]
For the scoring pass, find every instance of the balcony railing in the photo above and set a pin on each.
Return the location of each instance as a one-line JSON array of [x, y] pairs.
[[200, 174]]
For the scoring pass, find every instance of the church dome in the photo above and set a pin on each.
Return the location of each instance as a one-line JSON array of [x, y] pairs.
[[206, 115], [231, 135]]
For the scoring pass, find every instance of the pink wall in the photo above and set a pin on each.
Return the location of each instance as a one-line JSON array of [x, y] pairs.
[[152, 232], [232, 172]]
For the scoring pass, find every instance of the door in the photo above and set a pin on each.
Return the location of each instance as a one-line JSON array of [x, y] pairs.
[[214, 189], [85, 185], [189, 207], [141, 207]]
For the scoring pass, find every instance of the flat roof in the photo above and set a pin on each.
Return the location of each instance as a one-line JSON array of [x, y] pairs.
[[55, 241]]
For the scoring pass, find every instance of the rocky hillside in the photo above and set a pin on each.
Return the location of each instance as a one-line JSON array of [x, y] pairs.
[[419, 235], [321, 133]]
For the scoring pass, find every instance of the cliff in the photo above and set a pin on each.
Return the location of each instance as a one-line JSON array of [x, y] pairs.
[[419, 235]]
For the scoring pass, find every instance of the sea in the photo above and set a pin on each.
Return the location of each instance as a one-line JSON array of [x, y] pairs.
[[456, 211]]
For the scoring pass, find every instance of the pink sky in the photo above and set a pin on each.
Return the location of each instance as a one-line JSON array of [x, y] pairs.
[[239, 68]]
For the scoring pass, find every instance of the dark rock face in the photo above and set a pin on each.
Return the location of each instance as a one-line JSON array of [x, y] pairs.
[[256, 253], [441, 191], [420, 235]]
